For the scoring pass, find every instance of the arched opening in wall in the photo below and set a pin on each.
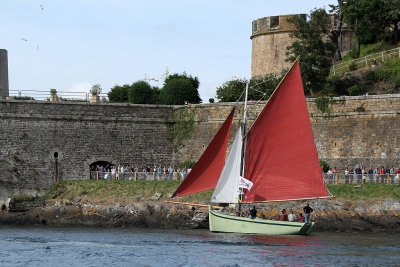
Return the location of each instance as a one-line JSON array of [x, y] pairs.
[[101, 170]]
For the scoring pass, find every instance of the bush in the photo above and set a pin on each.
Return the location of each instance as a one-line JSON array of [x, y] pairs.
[[354, 90], [187, 164], [324, 166], [211, 100], [119, 94], [141, 92], [352, 66]]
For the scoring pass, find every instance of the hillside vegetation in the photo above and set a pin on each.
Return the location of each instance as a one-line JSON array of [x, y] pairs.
[[142, 191], [381, 79]]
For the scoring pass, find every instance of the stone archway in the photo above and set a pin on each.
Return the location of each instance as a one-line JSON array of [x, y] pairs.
[[100, 169]]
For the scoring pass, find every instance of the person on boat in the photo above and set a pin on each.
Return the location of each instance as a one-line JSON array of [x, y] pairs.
[[291, 216], [300, 218], [307, 210], [284, 216], [253, 212], [237, 214]]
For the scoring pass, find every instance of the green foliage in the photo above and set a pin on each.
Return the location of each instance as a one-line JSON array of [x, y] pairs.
[[352, 66], [322, 104], [259, 88], [96, 89], [23, 98], [354, 90], [211, 100], [179, 89], [369, 18], [120, 191], [187, 164], [141, 92], [388, 72], [119, 94], [316, 55], [183, 126], [324, 165], [365, 192], [230, 91], [367, 49], [53, 91], [360, 108]]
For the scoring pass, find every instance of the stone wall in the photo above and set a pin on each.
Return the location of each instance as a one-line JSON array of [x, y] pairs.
[[357, 130], [33, 134]]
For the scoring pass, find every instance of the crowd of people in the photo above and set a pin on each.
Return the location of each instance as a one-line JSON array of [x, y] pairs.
[[291, 217], [135, 172], [360, 174]]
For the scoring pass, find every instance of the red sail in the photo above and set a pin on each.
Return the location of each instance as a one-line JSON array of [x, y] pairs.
[[206, 172], [281, 157]]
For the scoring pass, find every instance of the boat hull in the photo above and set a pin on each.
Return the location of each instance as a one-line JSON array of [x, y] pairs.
[[220, 222]]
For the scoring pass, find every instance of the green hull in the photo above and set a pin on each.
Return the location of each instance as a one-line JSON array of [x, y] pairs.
[[232, 224]]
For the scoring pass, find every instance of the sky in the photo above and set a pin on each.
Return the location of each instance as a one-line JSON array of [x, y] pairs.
[[71, 45]]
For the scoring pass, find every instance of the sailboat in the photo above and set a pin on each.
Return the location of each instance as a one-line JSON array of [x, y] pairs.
[[277, 155]]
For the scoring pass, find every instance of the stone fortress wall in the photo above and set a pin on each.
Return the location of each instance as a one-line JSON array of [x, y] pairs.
[[357, 130], [35, 135], [270, 37]]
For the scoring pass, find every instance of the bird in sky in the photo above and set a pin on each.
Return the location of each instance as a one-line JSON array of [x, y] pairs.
[[42, 7], [24, 39]]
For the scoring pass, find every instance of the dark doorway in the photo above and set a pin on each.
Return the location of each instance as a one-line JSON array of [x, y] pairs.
[[100, 169]]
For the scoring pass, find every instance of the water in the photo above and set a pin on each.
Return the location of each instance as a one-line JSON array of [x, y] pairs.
[[46, 246]]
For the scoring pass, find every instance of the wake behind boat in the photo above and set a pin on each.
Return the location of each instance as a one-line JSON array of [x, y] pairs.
[[275, 160]]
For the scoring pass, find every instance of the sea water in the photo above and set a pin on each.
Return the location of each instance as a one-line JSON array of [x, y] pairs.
[[50, 246]]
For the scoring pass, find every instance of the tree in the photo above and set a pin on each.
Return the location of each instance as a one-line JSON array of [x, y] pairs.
[[316, 55], [96, 89], [141, 92], [230, 91], [260, 88], [335, 33], [119, 93], [359, 15], [180, 88]]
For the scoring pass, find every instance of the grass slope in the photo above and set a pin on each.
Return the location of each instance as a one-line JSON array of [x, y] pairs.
[[128, 191], [371, 49]]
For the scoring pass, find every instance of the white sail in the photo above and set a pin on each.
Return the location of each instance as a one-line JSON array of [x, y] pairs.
[[227, 189]]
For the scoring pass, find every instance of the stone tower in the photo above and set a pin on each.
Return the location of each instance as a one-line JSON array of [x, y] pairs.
[[269, 38], [3, 73]]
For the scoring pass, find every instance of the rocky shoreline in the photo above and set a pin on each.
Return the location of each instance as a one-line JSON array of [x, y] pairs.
[[331, 215]]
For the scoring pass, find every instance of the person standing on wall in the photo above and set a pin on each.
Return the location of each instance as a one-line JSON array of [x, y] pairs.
[[307, 210]]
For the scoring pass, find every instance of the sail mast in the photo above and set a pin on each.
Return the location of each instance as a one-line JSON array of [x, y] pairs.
[[243, 156], [244, 129]]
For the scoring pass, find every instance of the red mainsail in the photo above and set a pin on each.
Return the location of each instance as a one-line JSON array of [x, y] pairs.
[[281, 157], [206, 172]]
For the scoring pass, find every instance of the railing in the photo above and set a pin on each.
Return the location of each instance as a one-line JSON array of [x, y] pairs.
[[134, 176], [362, 178], [370, 60], [64, 95]]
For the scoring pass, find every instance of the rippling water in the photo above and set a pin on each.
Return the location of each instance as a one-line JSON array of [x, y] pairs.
[[46, 246]]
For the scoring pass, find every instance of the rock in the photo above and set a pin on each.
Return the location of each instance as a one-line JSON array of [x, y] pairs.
[[77, 199], [170, 195], [156, 196], [391, 204], [139, 197]]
